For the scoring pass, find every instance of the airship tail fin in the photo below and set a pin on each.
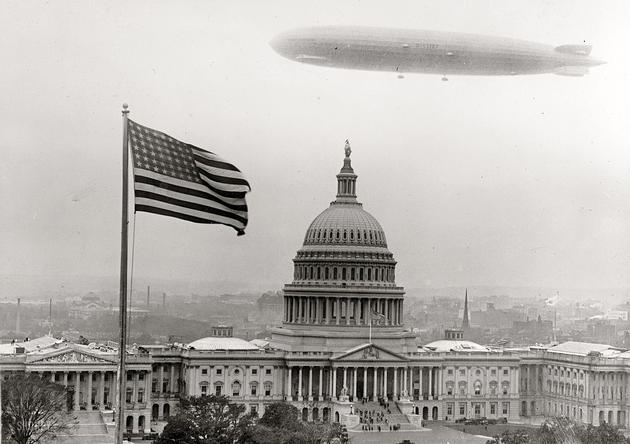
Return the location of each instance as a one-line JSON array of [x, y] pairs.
[[575, 49], [573, 71]]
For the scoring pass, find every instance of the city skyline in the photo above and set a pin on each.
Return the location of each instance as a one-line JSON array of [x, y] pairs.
[[515, 182]]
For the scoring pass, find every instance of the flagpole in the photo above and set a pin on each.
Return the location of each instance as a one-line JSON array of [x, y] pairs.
[[122, 347]]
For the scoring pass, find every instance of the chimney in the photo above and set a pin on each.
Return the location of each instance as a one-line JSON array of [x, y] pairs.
[[17, 319]]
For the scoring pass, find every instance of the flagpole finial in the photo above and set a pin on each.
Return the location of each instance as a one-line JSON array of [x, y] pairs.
[[125, 108]]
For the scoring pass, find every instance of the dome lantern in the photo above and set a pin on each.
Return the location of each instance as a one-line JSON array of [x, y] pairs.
[[347, 180]]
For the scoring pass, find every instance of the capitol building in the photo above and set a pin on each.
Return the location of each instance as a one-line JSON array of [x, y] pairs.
[[343, 344]]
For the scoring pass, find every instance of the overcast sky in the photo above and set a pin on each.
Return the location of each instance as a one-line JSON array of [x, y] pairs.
[[520, 180]]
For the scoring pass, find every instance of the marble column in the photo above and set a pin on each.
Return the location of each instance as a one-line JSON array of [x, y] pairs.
[[421, 389], [375, 389], [52, 376], [289, 395], [334, 381], [299, 383], [173, 380], [77, 388], [354, 384], [89, 391], [65, 379], [385, 383], [345, 378], [337, 310], [347, 311], [430, 382], [365, 378], [405, 383], [161, 379], [310, 383], [395, 388], [101, 390], [320, 383]]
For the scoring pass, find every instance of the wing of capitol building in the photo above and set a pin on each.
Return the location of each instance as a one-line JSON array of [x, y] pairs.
[[342, 348]]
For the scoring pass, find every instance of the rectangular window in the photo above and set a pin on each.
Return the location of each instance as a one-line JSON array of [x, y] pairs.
[[493, 408], [254, 390], [493, 372], [462, 408], [129, 395], [267, 391], [267, 371], [219, 371], [506, 408], [462, 372], [254, 371], [204, 390], [505, 371], [204, 371], [217, 390], [477, 409], [450, 371], [449, 408]]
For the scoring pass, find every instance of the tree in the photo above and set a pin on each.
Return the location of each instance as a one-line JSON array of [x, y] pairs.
[[280, 425], [281, 415], [207, 419], [34, 410]]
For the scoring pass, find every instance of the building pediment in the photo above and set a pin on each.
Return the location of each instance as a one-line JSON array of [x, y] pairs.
[[70, 356], [369, 352]]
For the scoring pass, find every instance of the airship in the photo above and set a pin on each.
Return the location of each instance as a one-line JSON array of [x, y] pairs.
[[433, 52]]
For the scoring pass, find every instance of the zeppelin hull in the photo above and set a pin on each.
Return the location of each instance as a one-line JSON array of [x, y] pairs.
[[404, 51]]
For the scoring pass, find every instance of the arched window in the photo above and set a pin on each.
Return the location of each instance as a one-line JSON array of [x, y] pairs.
[[326, 273], [369, 274], [477, 388], [352, 274], [335, 273], [311, 274], [351, 235], [343, 274], [361, 273], [319, 273], [236, 388]]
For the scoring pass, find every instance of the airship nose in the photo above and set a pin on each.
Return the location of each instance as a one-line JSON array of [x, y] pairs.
[[281, 44]]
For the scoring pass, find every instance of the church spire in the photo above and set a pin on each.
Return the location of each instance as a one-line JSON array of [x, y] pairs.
[[347, 180], [465, 321]]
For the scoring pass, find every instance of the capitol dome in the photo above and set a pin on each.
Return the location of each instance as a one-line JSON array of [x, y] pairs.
[[344, 275], [345, 224]]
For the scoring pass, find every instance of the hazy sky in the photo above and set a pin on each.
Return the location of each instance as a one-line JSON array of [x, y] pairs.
[[501, 181]]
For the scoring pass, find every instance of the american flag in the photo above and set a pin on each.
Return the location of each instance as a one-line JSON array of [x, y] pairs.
[[176, 179]]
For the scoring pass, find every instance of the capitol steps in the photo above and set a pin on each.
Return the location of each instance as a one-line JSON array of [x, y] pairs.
[[90, 429]]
